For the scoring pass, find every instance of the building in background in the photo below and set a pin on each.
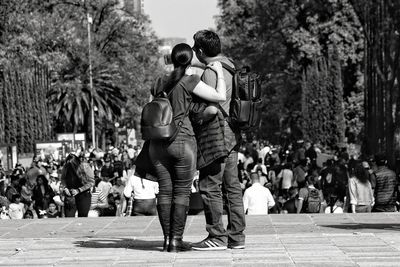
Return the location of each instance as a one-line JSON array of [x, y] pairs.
[[165, 50], [133, 6]]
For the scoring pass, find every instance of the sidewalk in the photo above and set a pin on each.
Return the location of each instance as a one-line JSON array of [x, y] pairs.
[[273, 240]]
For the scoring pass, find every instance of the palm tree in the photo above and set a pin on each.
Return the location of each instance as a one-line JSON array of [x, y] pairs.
[[70, 98]]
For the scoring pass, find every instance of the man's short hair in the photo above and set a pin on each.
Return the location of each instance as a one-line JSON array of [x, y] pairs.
[[254, 176], [380, 159], [208, 42], [14, 197], [312, 179]]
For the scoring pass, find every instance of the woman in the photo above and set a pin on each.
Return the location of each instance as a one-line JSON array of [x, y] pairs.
[[42, 194], [361, 194], [175, 162], [25, 191], [77, 179]]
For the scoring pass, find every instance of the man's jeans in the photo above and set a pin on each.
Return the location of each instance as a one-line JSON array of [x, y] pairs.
[[212, 179], [144, 207]]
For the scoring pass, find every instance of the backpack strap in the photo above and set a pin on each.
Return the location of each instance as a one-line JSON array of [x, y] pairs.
[[186, 111], [232, 71]]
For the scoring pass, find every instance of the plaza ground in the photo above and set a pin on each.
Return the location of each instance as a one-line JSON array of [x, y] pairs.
[[272, 240]]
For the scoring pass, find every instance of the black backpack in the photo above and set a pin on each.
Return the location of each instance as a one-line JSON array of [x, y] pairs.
[[246, 102], [157, 120], [313, 203]]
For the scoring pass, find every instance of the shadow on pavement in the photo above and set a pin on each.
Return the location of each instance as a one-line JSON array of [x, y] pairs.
[[371, 226], [121, 243]]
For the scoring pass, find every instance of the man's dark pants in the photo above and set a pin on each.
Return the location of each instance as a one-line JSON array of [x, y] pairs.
[[212, 178]]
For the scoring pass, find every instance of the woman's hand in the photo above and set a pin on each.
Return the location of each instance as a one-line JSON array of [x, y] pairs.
[[216, 66], [189, 71], [66, 191]]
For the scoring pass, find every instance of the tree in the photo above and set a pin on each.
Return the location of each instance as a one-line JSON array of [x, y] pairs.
[[54, 33], [281, 40], [381, 26]]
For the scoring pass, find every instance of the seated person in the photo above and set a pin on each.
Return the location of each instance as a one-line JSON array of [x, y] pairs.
[[142, 193], [52, 211], [17, 208], [257, 199], [290, 206]]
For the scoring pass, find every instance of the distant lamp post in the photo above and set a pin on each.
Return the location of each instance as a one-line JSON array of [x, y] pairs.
[[116, 133], [92, 107]]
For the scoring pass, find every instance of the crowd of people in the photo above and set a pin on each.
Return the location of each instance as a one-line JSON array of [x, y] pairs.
[[274, 179], [41, 191], [296, 183], [199, 152]]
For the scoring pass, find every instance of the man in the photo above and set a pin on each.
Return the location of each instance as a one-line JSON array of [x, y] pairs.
[[36, 170], [386, 186], [107, 171], [300, 173], [12, 189], [264, 150], [310, 199], [221, 172], [142, 192], [311, 154], [286, 176], [257, 199]]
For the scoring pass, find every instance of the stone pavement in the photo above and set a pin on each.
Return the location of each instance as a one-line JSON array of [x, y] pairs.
[[272, 240]]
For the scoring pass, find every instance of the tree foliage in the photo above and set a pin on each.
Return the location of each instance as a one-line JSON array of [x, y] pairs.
[[281, 40], [124, 54], [381, 26]]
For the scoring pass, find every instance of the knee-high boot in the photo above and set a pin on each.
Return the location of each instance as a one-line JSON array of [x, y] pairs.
[[178, 222], [164, 215]]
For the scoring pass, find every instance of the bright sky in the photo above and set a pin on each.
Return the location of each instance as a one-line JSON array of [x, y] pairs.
[[181, 18]]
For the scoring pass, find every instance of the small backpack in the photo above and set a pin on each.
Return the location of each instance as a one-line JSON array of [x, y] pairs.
[[157, 120], [313, 201], [246, 102]]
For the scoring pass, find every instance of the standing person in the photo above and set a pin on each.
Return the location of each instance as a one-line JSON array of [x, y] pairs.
[[35, 170], [12, 189], [220, 172], [286, 175], [360, 190], [175, 161], [107, 170], [310, 199], [386, 186], [77, 179], [300, 173]]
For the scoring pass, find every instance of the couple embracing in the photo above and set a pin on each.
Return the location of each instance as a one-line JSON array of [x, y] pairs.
[[206, 142]]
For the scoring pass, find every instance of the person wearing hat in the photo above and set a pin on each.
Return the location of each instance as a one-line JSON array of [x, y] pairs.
[[55, 182], [77, 179]]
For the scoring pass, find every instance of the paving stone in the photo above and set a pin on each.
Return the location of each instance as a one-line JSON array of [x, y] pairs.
[[272, 240]]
